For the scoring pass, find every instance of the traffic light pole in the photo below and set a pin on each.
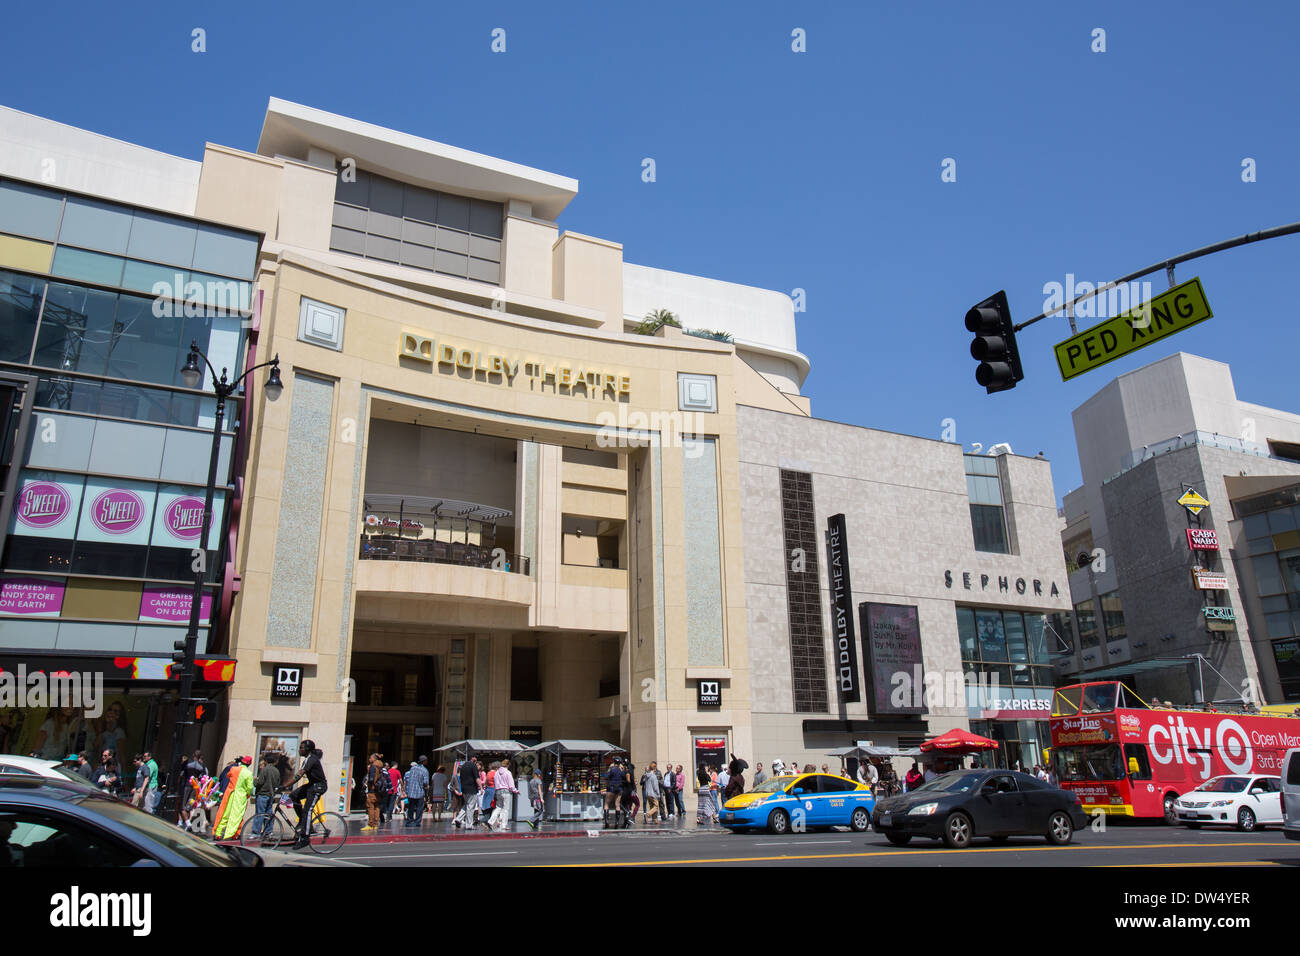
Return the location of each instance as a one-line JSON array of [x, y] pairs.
[[1168, 266], [173, 802], [189, 646]]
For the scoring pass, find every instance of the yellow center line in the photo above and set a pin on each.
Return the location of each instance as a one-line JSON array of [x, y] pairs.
[[1105, 866], [882, 853]]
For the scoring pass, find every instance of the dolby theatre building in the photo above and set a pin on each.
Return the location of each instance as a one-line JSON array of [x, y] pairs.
[[484, 507]]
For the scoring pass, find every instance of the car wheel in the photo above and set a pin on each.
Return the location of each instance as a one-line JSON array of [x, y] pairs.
[[957, 831], [779, 822], [860, 820], [1246, 820], [1059, 828], [899, 839], [1171, 815]]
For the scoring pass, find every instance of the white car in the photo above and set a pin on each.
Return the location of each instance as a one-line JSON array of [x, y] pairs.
[[39, 767], [1244, 801]]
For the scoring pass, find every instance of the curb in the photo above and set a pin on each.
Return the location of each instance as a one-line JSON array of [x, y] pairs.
[[539, 835]]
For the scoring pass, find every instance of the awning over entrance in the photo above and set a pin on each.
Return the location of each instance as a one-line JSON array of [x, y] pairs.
[[860, 752], [210, 670], [482, 746], [1134, 667], [578, 746], [438, 507]]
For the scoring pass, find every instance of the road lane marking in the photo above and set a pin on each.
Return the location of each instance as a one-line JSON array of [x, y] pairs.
[[808, 843], [969, 851], [1211, 863]]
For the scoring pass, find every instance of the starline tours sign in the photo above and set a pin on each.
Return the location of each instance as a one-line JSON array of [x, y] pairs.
[[846, 653]]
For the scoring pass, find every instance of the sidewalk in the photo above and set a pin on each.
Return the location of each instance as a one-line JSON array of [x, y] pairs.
[[395, 832]]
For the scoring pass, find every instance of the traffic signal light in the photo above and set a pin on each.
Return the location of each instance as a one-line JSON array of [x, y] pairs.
[[177, 669], [198, 710], [994, 344]]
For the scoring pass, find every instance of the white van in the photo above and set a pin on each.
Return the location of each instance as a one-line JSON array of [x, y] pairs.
[[1291, 795]]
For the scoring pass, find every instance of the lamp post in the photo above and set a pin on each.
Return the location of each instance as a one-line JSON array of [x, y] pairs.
[[192, 377]]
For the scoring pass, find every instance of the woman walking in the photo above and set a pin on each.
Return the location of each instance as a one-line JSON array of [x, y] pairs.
[[704, 812], [438, 792]]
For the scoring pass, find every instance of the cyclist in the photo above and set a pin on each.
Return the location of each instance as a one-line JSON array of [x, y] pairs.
[[305, 797]]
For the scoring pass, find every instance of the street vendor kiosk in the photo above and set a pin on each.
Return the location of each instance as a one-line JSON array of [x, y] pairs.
[[506, 751], [572, 773]]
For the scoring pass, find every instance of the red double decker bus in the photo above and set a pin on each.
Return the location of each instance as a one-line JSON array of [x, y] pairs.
[[1124, 758]]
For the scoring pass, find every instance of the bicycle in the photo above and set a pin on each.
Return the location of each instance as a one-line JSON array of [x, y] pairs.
[[326, 834]]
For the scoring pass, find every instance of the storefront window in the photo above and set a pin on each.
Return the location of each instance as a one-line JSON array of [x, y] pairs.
[[992, 635], [1086, 618], [1112, 610]]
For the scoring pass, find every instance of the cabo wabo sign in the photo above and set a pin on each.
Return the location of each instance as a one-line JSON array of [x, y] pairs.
[[497, 369]]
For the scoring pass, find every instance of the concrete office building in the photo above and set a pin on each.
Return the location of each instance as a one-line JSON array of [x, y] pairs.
[[955, 554], [1143, 439]]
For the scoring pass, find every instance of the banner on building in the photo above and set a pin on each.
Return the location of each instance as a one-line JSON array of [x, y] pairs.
[[837, 569], [891, 639]]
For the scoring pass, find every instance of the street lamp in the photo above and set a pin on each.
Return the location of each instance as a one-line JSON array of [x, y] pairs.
[[192, 377]]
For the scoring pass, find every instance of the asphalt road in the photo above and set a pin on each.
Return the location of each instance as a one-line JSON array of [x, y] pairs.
[[1117, 845]]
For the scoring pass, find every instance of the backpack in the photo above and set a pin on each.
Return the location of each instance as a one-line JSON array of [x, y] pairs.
[[383, 782]]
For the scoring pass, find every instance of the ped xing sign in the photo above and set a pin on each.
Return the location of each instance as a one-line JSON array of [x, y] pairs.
[[1167, 314]]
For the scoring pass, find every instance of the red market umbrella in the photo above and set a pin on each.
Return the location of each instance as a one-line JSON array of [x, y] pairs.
[[959, 741]]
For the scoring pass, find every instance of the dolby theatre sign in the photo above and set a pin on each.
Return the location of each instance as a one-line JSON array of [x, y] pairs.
[[497, 369]]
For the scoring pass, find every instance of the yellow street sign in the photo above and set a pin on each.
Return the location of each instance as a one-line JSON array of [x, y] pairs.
[[1193, 502], [1167, 314]]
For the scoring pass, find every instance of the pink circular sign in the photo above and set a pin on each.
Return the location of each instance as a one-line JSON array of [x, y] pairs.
[[117, 511], [43, 504], [184, 518]]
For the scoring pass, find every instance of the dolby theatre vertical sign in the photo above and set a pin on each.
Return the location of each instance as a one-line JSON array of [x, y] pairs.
[[837, 569]]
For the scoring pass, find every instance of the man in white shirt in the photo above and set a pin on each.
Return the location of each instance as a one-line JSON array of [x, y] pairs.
[[929, 773], [504, 782]]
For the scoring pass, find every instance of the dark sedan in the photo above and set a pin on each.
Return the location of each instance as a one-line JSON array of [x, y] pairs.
[[50, 823], [959, 806]]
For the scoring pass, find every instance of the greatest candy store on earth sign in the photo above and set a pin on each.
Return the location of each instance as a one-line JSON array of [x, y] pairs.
[[172, 604], [32, 597]]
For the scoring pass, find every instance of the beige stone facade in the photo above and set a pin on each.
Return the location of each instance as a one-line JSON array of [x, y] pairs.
[[390, 393]]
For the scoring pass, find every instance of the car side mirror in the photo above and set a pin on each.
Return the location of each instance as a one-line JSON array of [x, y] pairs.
[[988, 789], [796, 791]]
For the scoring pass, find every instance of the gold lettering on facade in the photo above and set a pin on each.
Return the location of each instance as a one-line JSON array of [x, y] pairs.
[[564, 379]]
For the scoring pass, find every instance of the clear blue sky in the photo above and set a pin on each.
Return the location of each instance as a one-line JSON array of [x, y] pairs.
[[816, 170]]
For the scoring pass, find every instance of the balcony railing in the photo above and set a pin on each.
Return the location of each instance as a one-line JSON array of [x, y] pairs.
[[381, 547]]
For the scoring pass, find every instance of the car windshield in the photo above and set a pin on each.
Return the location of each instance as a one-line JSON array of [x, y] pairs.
[[1224, 785], [773, 785], [956, 782], [186, 845]]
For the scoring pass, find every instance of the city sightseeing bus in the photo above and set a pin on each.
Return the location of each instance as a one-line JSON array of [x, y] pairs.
[[1124, 758]]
